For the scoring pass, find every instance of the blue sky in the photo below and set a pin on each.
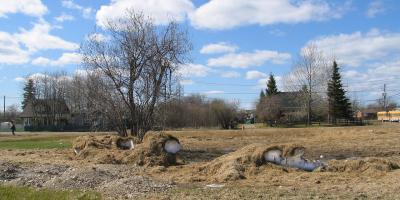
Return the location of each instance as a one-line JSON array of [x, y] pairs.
[[237, 43]]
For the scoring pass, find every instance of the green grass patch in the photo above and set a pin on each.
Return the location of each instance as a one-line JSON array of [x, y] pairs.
[[16, 192], [37, 142]]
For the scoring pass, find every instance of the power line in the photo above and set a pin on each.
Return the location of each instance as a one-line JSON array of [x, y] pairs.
[[299, 85]]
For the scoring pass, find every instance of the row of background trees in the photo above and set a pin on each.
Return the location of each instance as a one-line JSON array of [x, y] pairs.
[[313, 92], [88, 95]]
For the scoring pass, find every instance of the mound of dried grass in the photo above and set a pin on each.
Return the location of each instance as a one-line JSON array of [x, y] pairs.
[[243, 163], [111, 149], [362, 165], [152, 152]]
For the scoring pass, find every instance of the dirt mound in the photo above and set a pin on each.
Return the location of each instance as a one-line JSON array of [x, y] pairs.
[[156, 149], [245, 162], [361, 165]]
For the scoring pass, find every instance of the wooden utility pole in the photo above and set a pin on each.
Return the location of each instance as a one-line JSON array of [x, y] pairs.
[[384, 98]]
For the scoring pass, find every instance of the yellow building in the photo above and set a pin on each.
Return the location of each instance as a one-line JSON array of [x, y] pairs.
[[390, 116]]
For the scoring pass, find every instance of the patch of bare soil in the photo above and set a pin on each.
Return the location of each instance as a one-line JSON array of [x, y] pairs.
[[133, 187], [37, 176], [8, 171], [113, 181]]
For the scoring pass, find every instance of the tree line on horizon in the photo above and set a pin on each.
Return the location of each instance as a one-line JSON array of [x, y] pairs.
[[313, 92]]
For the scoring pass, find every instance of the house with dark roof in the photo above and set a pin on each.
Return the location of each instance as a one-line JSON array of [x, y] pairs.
[[44, 113], [291, 106]]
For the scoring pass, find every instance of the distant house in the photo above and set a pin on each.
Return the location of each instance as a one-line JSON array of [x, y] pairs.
[[290, 106], [367, 114], [45, 113], [249, 117]]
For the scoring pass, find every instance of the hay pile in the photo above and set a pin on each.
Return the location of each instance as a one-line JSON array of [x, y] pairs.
[[157, 149], [103, 149], [365, 165], [245, 162], [152, 151]]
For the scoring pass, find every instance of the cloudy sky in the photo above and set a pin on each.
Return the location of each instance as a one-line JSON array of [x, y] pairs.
[[237, 43]]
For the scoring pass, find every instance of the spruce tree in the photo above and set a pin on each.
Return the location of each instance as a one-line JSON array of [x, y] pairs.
[[29, 93], [339, 104], [271, 86], [262, 94]]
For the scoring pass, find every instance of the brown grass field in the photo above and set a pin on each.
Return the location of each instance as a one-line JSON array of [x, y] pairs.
[[352, 149]]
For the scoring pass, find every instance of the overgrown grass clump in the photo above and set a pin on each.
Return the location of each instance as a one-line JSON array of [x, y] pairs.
[[15, 192]]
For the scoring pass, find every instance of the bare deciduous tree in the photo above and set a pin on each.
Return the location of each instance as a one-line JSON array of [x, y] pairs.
[[269, 109], [138, 59], [309, 74], [224, 112], [105, 108]]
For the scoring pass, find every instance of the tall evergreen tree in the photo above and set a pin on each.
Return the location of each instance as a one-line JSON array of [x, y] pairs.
[[271, 86], [29, 93], [339, 104], [262, 94]]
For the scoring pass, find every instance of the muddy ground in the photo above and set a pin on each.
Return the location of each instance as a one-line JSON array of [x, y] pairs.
[[364, 165]]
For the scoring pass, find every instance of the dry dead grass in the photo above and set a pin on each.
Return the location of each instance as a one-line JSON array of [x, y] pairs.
[[372, 154]]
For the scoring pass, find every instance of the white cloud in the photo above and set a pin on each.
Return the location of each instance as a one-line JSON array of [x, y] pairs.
[[65, 59], [370, 82], [221, 47], [225, 14], [230, 74], [41, 61], [214, 92], [186, 82], [37, 76], [262, 83], [11, 51], [64, 17], [358, 48], [39, 38], [160, 10], [97, 37], [374, 8], [277, 32], [86, 11], [19, 79], [244, 60], [254, 74], [193, 70], [28, 7]]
